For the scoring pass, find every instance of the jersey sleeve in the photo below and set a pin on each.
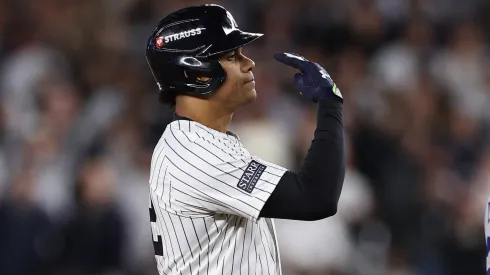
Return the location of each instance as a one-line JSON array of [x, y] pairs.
[[214, 175], [487, 234]]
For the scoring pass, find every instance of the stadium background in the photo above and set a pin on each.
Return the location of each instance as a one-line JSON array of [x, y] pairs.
[[79, 118]]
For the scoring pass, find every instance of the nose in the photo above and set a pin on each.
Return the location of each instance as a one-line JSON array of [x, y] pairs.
[[248, 64]]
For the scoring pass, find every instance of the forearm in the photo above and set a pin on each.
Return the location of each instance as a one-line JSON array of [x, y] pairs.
[[314, 191], [322, 174]]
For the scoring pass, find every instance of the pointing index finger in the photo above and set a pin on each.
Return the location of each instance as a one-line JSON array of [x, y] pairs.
[[293, 60]]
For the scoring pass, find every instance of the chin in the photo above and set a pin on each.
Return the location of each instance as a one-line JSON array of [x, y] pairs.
[[251, 96]]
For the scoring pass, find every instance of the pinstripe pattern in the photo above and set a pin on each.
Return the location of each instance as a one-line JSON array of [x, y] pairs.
[[487, 234], [203, 221]]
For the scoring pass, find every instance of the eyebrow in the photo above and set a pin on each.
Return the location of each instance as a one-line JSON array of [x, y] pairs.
[[226, 54]]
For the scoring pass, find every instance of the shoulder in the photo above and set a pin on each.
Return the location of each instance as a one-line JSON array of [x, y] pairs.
[[189, 138], [178, 131], [190, 131]]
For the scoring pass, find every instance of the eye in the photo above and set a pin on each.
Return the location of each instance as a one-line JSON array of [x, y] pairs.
[[231, 57]]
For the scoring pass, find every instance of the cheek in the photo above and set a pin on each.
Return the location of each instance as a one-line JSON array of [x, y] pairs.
[[233, 82], [238, 84]]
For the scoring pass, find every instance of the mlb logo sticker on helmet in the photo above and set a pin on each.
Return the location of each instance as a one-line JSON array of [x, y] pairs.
[[159, 41]]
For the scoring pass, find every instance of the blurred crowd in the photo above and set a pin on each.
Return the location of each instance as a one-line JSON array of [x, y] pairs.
[[79, 118]]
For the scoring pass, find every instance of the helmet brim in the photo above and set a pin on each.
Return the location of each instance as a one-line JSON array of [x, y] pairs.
[[232, 41]]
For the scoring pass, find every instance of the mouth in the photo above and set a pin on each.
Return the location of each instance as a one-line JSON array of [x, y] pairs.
[[249, 80]]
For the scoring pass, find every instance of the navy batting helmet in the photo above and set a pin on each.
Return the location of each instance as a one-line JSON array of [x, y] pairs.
[[182, 50]]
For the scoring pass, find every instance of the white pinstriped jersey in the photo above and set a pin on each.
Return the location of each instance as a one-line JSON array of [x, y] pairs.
[[206, 193], [487, 234]]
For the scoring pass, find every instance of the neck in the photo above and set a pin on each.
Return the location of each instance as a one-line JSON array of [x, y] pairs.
[[205, 112]]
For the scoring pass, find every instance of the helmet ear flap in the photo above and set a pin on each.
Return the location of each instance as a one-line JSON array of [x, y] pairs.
[[198, 77], [203, 79]]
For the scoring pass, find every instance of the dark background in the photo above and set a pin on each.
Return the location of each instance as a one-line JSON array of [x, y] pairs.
[[79, 118]]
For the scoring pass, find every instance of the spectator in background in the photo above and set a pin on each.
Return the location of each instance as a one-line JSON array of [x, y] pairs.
[[94, 240], [25, 247], [3, 156], [330, 246], [463, 68]]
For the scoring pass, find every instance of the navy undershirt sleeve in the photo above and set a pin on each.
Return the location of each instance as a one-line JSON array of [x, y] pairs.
[[313, 192]]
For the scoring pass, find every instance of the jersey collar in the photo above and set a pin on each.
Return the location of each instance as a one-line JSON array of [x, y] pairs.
[[178, 117]]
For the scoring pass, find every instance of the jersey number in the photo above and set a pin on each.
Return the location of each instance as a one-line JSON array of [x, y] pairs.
[[158, 245]]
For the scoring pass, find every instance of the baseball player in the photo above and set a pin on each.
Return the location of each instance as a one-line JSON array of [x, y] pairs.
[[487, 234], [211, 202]]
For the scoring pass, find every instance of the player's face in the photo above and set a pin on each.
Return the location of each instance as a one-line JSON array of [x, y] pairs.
[[239, 86]]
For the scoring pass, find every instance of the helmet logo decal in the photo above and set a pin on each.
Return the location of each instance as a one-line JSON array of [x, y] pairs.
[[234, 25], [161, 40]]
